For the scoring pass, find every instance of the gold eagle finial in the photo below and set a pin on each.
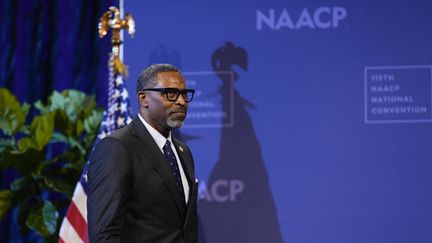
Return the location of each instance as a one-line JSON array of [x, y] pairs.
[[111, 20]]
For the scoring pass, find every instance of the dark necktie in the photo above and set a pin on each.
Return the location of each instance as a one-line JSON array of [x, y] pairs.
[[172, 163]]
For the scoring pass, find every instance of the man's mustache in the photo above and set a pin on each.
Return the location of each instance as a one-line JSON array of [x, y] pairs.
[[183, 110]]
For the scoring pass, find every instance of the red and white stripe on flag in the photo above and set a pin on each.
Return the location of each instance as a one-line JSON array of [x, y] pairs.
[[74, 226], [118, 114]]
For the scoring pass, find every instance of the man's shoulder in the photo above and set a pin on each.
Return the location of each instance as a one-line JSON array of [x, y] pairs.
[[121, 133], [129, 133], [115, 139]]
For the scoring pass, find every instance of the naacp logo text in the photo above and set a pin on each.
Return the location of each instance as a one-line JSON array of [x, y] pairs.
[[319, 18]]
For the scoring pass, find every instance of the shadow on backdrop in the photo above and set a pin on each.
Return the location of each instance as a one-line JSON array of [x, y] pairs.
[[247, 213], [163, 54]]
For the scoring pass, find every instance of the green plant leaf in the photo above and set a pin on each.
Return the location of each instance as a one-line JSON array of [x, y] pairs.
[[19, 184], [6, 201], [41, 107], [60, 185], [50, 216], [25, 108], [25, 161], [35, 221], [75, 97], [72, 106], [71, 141], [73, 101], [12, 116], [93, 121], [59, 138], [57, 101], [89, 105], [79, 127], [76, 166], [43, 219], [70, 118], [7, 143], [42, 128], [26, 143], [62, 123]]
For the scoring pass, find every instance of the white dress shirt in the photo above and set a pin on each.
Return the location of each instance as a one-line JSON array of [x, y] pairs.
[[160, 141]]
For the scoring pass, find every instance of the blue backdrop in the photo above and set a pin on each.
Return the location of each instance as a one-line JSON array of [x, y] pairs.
[[312, 120]]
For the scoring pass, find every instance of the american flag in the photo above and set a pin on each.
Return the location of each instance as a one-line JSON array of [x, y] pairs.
[[117, 115]]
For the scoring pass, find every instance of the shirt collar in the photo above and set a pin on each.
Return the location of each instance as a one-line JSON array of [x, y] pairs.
[[157, 136]]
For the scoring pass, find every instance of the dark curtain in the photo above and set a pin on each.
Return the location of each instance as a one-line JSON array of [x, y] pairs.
[[48, 45]]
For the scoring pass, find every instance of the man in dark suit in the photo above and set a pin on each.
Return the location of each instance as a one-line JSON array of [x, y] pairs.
[[141, 181]]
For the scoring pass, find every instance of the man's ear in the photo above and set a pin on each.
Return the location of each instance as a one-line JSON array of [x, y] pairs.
[[142, 99]]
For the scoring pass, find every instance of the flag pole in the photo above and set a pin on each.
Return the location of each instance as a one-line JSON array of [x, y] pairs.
[[118, 114], [121, 8]]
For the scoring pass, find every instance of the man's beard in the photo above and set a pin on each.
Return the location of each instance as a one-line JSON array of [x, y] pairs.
[[174, 123]]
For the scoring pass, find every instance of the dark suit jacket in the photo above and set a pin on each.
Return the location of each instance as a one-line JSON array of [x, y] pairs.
[[132, 195]]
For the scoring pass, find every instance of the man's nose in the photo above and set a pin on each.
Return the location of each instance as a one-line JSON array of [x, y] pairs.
[[181, 100]]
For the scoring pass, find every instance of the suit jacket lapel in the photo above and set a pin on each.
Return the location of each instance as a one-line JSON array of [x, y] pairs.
[[193, 185], [148, 146], [186, 163]]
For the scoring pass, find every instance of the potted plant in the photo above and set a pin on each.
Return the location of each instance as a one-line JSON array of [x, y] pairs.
[[46, 153]]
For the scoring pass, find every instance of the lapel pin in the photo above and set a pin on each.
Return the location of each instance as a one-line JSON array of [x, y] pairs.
[[180, 148]]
